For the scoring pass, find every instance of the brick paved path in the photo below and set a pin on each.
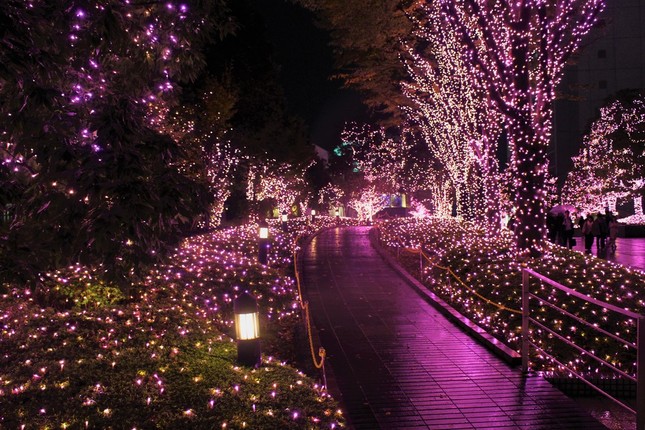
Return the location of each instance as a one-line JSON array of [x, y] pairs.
[[399, 364]]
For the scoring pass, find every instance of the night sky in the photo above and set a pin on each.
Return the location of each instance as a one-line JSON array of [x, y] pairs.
[[306, 63]]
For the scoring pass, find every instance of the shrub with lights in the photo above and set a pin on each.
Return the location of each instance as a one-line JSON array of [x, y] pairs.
[[150, 365], [163, 356]]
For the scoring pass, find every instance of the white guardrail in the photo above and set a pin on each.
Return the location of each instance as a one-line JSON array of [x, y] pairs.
[[639, 345]]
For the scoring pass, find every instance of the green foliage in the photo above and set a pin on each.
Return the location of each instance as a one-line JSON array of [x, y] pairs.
[[156, 367], [86, 295], [88, 178], [366, 37]]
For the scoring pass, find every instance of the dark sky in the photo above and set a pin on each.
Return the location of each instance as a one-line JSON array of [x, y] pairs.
[[306, 63]]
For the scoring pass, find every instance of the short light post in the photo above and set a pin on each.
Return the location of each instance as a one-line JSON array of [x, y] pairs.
[[263, 243], [247, 330], [313, 215], [284, 218], [337, 213]]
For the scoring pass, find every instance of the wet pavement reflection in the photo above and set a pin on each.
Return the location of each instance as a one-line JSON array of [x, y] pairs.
[[399, 364], [629, 252]]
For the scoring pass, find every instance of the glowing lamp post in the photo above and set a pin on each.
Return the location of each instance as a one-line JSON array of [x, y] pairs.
[[263, 243], [284, 221], [247, 330], [313, 215]]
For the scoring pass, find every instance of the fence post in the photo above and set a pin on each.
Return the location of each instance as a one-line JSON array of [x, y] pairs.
[[640, 374], [525, 321]]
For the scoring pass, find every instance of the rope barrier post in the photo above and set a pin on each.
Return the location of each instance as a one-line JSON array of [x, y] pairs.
[[304, 308], [322, 353], [525, 321], [640, 374]]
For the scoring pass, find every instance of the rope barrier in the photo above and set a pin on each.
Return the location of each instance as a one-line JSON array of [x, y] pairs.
[[305, 307], [458, 279]]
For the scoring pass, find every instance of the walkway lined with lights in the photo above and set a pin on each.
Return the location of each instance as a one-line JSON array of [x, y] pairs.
[[400, 364]]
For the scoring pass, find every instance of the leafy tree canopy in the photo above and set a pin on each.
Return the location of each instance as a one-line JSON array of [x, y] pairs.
[[366, 37]]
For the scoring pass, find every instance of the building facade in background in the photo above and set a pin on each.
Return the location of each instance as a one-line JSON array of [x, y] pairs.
[[613, 59]]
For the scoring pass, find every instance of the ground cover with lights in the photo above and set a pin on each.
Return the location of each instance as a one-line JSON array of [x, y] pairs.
[[162, 357], [485, 285]]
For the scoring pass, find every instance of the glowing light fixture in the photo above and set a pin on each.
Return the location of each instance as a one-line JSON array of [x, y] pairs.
[[247, 330], [263, 243], [264, 231]]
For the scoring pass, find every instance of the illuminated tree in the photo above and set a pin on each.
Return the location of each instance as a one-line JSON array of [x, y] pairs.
[[454, 114], [77, 84], [611, 163], [427, 182], [367, 202], [330, 196], [378, 157], [517, 50], [200, 126], [281, 184]]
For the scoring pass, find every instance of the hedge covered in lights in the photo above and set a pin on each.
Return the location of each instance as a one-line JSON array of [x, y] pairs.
[[163, 357], [490, 269]]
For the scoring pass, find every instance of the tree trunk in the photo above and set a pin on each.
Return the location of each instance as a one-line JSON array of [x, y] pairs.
[[464, 202], [531, 161], [611, 203], [638, 205]]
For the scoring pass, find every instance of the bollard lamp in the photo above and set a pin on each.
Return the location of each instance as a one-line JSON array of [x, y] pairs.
[[263, 231], [247, 330], [263, 243]]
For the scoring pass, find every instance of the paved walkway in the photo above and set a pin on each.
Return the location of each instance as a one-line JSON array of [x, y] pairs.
[[629, 251], [399, 364]]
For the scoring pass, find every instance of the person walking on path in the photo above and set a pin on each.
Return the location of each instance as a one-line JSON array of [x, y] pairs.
[[595, 230], [613, 233], [551, 227], [604, 230], [567, 227], [587, 232]]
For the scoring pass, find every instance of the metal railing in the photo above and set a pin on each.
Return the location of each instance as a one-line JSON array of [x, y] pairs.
[[639, 346]]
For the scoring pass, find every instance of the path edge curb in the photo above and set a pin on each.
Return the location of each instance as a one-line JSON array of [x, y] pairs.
[[332, 384], [498, 348]]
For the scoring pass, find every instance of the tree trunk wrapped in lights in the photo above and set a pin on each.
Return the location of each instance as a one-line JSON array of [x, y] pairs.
[[517, 50]]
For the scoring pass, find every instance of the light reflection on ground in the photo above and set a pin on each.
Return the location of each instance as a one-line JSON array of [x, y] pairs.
[[629, 252]]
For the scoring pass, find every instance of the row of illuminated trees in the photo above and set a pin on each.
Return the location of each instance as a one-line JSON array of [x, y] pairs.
[[472, 74], [117, 143]]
